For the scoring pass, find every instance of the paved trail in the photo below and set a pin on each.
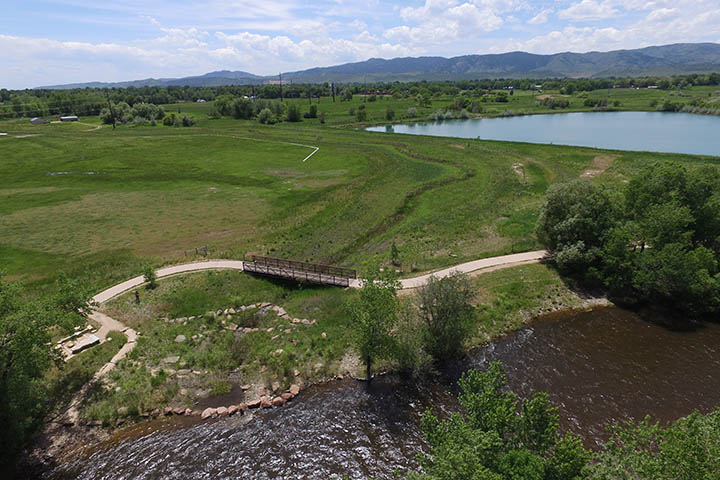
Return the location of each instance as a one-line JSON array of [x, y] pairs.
[[108, 324]]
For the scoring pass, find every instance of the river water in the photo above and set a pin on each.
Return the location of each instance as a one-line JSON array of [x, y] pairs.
[[640, 131], [601, 366]]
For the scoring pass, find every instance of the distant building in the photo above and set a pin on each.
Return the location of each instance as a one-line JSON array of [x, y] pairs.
[[652, 86], [200, 100], [69, 118], [38, 121]]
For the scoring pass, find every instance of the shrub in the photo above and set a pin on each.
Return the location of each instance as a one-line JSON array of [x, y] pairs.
[[372, 98], [361, 114], [322, 117], [266, 116], [213, 113], [312, 113], [170, 120], [389, 114], [188, 121], [150, 277], [293, 113], [412, 112]]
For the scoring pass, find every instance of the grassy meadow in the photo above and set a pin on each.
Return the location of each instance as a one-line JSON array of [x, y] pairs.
[[99, 204]]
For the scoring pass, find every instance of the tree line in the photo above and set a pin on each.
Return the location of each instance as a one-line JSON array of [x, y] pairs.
[[90, 101]]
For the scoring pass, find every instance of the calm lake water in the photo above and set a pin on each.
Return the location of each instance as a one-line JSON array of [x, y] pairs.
[[641, 131], [602, 366]]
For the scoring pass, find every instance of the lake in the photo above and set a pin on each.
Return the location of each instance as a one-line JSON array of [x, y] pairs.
[[640, 131]]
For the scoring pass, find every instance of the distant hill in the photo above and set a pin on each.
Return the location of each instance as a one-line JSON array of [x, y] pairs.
[[661, 60]]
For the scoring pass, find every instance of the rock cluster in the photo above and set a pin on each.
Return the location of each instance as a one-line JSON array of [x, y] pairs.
[[265, 401]]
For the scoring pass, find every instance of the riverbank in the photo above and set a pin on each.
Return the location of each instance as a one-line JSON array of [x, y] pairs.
[[306, 344]]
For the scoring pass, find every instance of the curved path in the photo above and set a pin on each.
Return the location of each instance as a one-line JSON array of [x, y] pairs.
[[108, 324]]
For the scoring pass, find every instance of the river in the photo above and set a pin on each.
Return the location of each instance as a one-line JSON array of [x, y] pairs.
[[639, 131], [601, 366]]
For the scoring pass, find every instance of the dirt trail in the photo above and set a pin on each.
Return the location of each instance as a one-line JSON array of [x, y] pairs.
[[599, 165]]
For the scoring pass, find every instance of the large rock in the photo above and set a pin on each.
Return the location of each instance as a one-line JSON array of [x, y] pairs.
[[207, 413], [294, 389], [122, 411], [254, 404], [278, 402], [287, 396], [265, 402], [168, 411], [232, 409], [171, 359], [275, 386], [180, 339], [242, 407], [179, 411], [222, 411]]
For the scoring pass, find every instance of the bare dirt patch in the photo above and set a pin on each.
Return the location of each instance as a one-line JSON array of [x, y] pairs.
[[599, 165], [458, 146]]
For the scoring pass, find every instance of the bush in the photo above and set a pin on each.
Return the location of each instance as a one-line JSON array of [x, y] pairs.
[[412, 112], [322, 117], [372, 98], [293, 113], [188, 121], [446, 314], [389, 114], [361, 114], [266, 116], [312, 113], [213, 114], [150, 277], [170, 120]]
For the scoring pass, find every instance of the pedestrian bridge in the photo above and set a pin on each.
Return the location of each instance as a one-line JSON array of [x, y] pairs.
[[309, 272]]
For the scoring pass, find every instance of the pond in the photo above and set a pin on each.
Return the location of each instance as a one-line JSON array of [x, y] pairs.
[[640, 131], [606, 365]]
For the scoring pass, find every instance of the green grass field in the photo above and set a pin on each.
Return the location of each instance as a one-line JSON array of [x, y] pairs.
[[100, 203]]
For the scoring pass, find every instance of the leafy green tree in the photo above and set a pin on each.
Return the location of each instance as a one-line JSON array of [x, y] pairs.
[[293, 113], [361, 114], [499, 436], [25, 355], [373, 315], [574, 222], [389, 114], [312, 113], [689, 449], [446, 314]]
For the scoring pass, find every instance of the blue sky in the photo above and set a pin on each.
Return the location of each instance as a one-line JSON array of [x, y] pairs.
[[63, 41]]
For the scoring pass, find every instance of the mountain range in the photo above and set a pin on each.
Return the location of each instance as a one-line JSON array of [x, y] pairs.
[[659, 60]]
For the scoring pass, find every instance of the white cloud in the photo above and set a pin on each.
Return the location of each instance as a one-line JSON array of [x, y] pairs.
[[541, 17], [586, 10]]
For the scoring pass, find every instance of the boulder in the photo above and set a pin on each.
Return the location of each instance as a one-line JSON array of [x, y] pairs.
[[265, 402], [294, 389], [278, 402], [222, 411], [231, 311], [188, 412], [287, 330], [287, 396], [275, 386], [278, 352], [122, 411], [171, 359], [207, 413], [179, 411], [168, 411], [232, 409], [323, 335], [245, 387], [242, 407], [254, 404]]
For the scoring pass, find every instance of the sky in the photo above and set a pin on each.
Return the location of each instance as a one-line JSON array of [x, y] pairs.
[[63, 41]]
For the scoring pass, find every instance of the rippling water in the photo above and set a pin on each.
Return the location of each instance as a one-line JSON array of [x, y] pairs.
[[599, 367]]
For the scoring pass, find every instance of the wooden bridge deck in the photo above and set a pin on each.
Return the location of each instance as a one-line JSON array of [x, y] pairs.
[[309, 272]]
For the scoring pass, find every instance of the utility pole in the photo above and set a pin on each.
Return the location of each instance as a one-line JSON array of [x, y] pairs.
[[112, 113], [281, 86], [332, 86]]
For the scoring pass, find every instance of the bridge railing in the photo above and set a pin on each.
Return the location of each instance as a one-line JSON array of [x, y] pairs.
[[311, 272]]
